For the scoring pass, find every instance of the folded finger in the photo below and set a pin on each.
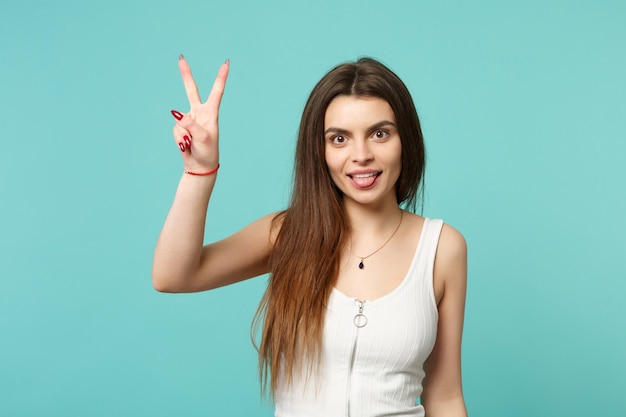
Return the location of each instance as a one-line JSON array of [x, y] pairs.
[[188, 127], [190, 84], [182, 138]]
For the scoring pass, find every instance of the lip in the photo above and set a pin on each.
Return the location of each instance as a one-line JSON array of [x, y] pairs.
[[365, 173]]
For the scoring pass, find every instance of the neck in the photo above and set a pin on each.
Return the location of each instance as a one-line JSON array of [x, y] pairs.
[[371, 221], [371, 231]]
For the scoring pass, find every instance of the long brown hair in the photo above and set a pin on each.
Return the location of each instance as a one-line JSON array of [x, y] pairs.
[[305, 258]]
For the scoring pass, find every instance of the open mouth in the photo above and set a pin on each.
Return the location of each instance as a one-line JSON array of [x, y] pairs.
[[365, 179]]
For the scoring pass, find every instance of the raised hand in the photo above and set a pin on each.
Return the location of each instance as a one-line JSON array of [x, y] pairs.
[[197, 132]]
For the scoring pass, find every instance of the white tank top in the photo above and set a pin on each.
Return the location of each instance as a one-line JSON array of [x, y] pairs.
[[376, 369]]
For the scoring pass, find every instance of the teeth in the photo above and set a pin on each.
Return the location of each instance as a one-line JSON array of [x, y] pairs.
[[371, 174]]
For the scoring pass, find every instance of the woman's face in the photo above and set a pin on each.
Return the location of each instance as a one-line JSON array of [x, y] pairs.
[[363, 149]]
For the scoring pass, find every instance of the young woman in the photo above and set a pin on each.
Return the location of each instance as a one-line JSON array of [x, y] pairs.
[[363, 313]]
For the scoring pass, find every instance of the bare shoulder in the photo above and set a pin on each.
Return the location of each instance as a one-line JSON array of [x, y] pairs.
[[451, 243], [450, 262], [275, 223]]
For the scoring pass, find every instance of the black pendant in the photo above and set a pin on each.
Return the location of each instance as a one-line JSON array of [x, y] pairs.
[[361, 266]]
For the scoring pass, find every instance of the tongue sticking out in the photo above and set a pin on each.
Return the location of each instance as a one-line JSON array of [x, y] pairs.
[[365, 181]]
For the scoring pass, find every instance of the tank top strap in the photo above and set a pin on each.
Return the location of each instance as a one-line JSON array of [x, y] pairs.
[[431, 241], [426, 263], [421, 270]]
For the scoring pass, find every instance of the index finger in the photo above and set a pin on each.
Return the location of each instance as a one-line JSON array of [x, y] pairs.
[[190, 85]]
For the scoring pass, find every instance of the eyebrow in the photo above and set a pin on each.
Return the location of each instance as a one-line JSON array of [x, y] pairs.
[[372, 127]]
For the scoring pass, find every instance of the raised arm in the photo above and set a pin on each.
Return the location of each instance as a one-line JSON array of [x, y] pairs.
[[181, 263], [443, 393]]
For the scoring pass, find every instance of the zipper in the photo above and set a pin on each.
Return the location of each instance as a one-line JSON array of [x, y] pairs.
[[359, 320]]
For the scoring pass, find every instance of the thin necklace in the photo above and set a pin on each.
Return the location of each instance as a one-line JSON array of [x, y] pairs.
[[362, 258]]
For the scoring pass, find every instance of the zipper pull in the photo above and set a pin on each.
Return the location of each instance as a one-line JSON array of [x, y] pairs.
[[359, 319]]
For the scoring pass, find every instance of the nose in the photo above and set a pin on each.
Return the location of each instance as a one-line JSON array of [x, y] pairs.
[[361, 151]]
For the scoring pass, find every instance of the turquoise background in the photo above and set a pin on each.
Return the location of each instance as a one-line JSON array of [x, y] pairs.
[[523, 106]]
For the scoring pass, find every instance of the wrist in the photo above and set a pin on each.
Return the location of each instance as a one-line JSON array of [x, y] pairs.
[[202, 172]]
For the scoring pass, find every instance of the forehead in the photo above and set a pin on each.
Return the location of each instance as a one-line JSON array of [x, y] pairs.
[[354, 111]]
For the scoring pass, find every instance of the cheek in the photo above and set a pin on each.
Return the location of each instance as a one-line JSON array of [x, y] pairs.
[[394, 156], [332, 159], [396, 159]]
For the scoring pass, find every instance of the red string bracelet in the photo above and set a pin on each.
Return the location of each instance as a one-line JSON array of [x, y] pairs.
[[202, 174]]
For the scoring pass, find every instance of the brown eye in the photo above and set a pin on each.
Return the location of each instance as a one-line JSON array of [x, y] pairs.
[[338, 139], [381, 134]]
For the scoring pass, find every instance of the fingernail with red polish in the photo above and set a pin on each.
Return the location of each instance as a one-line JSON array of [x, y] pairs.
[[177, 115], [181, 146], [187, 141]]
